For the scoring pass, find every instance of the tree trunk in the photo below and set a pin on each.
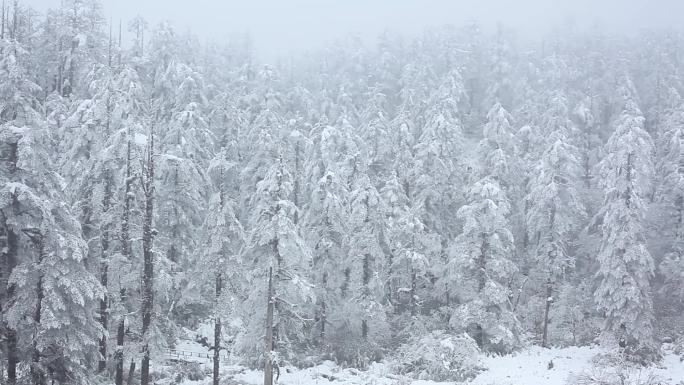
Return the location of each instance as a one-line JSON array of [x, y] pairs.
[[482, 264], [127, 254], [36, 371], [679, 204], [548, 300], [131, 373], [324, 320], [2, 30], [9, 262], [295, 190], [217, 330], [10, 244], [12, 357], [413, 293], [148, 264], [118, 355], [268, 366], [323, 313], [549, 286], [103, 320], [10, 250], [482, 282], [104, 271], [366, 292]]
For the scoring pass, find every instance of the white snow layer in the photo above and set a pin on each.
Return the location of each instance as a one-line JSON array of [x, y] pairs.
[[528, 367]]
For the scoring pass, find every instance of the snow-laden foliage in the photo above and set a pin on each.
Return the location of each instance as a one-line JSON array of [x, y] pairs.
[[439, 356], [482, 269], [458, 186], [626, 265]]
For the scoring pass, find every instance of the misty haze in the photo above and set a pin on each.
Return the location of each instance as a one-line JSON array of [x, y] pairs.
[[300, 192]]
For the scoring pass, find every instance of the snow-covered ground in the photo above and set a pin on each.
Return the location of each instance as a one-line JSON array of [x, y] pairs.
[[531, 367], [528, 367]]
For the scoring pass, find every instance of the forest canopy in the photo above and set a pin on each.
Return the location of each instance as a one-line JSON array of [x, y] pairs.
[[364, 199]]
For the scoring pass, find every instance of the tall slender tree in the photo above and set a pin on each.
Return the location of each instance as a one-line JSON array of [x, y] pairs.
[[625, 264]]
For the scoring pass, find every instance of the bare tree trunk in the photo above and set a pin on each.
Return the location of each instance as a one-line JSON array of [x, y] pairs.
[[679, 204], [10, 252], [12, 357], [366, 280], [482, 281], [324, 320], [148, 263], [295, 191], [324, 314], [36, 371], [345, 282], [102, 364], [118, 355], [127, 254], [131, 373], [549, 286], [482, 264], [104, 271], [8, 264], [268, 366], [217, 330], [72, 59], [412, 300], [2, 31], [548, 300]]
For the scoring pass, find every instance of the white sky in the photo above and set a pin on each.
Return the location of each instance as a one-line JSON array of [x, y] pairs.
[[282, 26]]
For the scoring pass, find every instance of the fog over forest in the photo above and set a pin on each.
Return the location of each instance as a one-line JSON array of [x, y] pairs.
[[345, 192], [281, 28]]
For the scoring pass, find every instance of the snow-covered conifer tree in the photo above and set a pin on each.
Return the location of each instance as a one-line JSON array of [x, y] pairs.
[[625, 264]]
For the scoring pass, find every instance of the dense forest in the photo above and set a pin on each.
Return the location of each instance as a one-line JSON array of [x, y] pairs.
[[364, 201]]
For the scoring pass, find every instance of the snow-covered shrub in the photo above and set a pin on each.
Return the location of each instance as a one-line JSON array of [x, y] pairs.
[[179, 373], [608, 376], [439, 356], [572, 322], [611, 377], [407, 326], [500, 329], [615, 369], [345, 339]]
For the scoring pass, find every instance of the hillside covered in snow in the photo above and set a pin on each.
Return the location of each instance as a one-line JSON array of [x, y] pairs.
[[461, 205]]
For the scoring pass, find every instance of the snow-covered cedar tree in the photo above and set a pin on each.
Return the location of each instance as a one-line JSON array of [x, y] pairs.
[[555, 213], [499, 157], [326, 228], [480, 266], [361, 330], [498, 147], [437, 185], [670, 230], [626, 266], [51, 297], [221, 253], [573, 320], [48, 295], [274, 243], [412, 247]]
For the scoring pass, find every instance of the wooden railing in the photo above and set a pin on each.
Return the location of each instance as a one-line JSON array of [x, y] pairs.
[[183, 355]]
